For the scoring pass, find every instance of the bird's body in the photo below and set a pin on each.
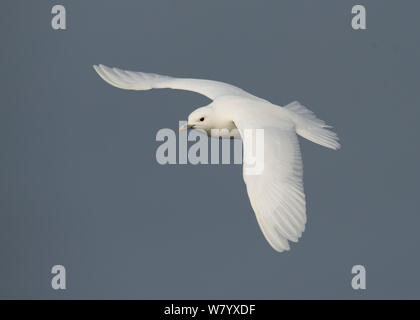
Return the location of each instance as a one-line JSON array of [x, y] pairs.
[[276, 192]]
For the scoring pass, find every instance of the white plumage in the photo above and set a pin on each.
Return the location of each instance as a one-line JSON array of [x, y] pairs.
[[276, 194]]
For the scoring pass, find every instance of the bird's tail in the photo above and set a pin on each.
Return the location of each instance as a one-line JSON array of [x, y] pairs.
[[310, 127]]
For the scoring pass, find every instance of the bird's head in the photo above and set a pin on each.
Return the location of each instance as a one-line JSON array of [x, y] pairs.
[[201, 118]]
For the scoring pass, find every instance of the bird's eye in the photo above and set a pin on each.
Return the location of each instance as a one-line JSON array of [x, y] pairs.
[[202, 119]]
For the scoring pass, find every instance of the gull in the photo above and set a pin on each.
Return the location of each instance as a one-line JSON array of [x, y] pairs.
[[276, 193]]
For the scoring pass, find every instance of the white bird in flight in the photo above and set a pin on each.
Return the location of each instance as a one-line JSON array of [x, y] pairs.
[[276, 194]]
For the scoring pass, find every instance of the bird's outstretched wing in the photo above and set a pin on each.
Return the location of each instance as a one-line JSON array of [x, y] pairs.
[[276, 192], [132, 80]]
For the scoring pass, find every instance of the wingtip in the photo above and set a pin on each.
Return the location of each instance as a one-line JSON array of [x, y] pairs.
[[98, 66], [282, 248], [337, 146]]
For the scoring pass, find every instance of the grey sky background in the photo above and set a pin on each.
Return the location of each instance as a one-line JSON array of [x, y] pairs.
[[80, 186]]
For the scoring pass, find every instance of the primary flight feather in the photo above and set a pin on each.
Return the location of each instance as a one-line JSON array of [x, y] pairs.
[[276, 193]]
